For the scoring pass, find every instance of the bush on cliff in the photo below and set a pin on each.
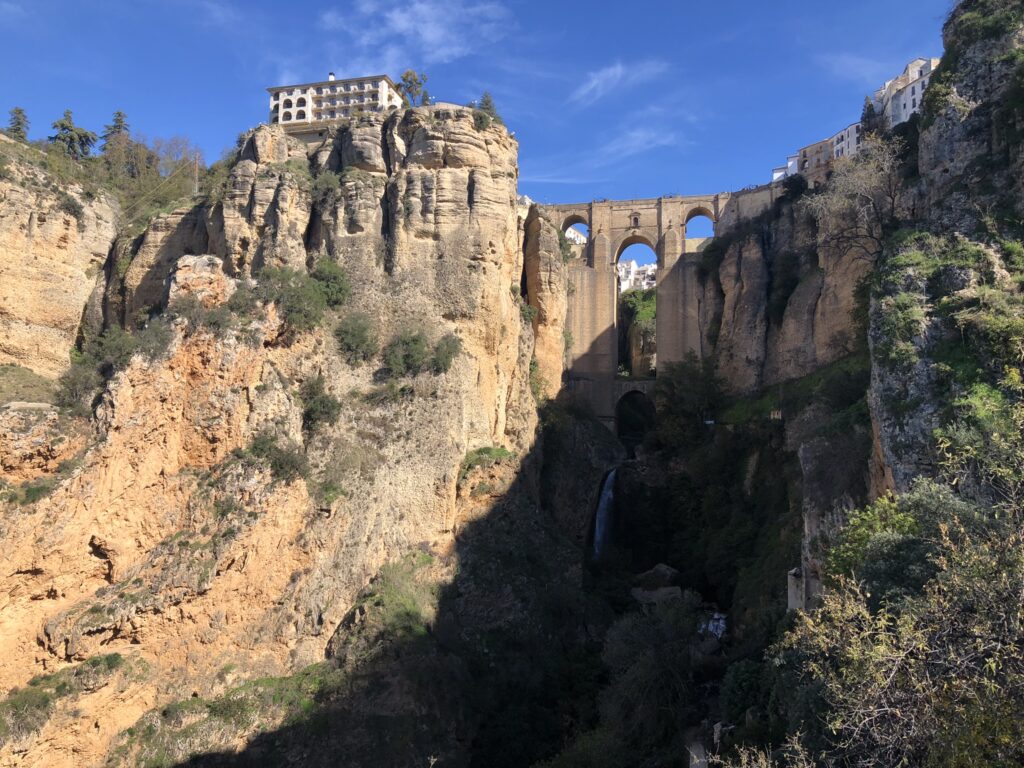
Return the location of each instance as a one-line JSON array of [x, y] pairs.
[[299, 298], [101, 357], [446, 350], [281, 456], [357, 338], [318, 407], [332, 281]]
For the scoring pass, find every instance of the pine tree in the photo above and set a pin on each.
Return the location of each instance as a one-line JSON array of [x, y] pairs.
[[17, 128], [870, 120], [486, 105], [76, 142], [118, 127]]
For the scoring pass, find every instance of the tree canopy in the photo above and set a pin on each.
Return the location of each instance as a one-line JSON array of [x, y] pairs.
[[76, 142], [17, 127], [412, 86]]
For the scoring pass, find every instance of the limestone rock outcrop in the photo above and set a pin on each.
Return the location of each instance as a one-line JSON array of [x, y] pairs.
[[780, 304], [170, 542], [53, 247]]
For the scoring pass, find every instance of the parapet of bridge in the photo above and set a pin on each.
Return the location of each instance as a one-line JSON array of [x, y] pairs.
[[661, 224]]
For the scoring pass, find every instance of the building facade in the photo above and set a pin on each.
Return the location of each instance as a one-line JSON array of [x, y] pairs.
[[900, 98], [634, 276], [896, 101], [316, 103], [846, 143]]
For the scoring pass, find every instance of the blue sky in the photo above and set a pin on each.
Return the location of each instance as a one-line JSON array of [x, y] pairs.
[[633, 100]]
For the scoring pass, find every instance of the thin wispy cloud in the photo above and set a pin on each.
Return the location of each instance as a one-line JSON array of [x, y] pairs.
[[10, 10], [594, 165], [219, 13], [855, 68], [390, 37], [599, 83], [632, 142]]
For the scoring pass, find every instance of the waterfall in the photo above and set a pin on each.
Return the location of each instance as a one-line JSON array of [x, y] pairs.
[[602, 518]]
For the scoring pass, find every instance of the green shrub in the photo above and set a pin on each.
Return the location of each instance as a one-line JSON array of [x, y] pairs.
[[483, 457], [216, 319], [481, 120], [71, 207], [325, 187], [388, 392], [104, 355], [318, 407], [333, 282], [357, 339], [298, 297], [536, 381], [564, 247], [528, 311], [407, 354], [286, 462], [741, 689], [1013, 254], [26, 710], [446, 350]]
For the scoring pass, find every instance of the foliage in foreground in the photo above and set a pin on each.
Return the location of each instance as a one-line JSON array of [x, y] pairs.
[[24, 711]]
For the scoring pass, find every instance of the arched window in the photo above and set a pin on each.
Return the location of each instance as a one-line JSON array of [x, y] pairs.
[[286, 117], [287, 103], [636, 221], [301, 102], [300, 115]]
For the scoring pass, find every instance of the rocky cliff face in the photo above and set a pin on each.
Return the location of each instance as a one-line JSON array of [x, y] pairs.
[[54, 244], [778, 299], [165, 545]]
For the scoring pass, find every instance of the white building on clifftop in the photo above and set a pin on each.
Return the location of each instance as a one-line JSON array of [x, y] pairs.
[[313, 104], [900, 98]]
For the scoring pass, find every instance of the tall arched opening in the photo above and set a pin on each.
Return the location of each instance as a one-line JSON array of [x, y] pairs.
[[575, 237], [634, 418], [700, 229], [636, 311]]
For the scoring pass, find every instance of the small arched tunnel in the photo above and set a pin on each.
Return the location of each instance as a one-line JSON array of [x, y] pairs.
[[635, 417]]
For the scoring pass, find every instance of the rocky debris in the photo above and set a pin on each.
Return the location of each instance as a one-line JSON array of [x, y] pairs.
[[657, 577], [656, 596], [35, 441]]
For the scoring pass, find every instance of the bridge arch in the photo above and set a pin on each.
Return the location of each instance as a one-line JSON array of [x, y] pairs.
[[573, 219], [641, 238], [700, 212], [635, 417]]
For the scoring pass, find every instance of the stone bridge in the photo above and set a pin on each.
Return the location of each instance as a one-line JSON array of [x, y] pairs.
[[592, 318]]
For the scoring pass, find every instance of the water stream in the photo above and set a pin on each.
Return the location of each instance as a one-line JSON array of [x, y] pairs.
[[603, 516]]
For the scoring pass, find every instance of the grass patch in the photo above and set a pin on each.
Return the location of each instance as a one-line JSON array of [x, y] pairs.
[[26, 710], [19, 384], [483, 457]]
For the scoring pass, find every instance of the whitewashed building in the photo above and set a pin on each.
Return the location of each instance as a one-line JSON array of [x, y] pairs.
[[633, 275], [900, 98], [846, 143], [331, 99], [896, 101]]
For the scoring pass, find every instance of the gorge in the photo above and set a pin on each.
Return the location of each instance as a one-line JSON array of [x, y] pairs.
[[333, 463]]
